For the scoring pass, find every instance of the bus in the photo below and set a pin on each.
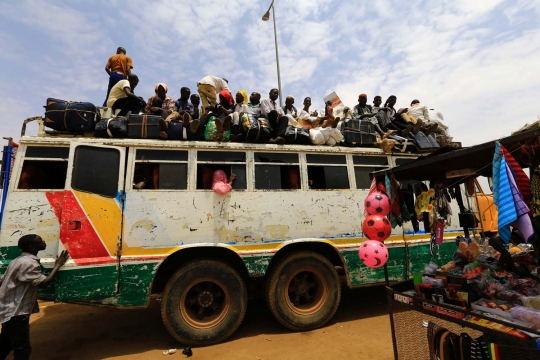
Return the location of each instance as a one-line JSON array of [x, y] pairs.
[[138, 219]]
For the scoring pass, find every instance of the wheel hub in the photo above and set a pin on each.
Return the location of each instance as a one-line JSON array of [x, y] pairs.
[[204, 303], [205, 299]]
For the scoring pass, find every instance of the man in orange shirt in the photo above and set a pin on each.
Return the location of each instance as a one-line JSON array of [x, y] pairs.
[[119, 68]]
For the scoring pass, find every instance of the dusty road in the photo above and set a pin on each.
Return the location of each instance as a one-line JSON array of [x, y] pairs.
[[360, 330]]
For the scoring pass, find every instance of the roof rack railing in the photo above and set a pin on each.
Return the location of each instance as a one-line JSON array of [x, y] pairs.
[[39, 119]]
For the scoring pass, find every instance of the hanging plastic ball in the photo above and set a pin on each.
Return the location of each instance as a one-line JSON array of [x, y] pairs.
[[377, 204], [373, 254], [376, 227]]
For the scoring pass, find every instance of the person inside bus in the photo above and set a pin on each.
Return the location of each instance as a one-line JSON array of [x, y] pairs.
[[220, 185], [119, 68], [123, 99], [271, 110], [294, 179], [32, 177], [168, 105], [241, 107]]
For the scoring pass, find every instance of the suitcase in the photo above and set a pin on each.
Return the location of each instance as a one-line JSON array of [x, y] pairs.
[[424, 143], [211, 133], [116, 128], [143, 126], [297, 136], [175, 130], [257, 130], [359, 133], [71, 116]]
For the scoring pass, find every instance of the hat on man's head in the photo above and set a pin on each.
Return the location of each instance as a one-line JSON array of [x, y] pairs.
[[164, 86], [362, 95]]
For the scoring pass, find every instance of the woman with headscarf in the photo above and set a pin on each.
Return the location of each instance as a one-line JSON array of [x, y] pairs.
[[220, 184], [240, 108], [167, 103]]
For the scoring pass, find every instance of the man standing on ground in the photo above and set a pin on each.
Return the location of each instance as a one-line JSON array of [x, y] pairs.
[[271, 110], [124, 99], [209, 86], [119, 68], [18, 296]]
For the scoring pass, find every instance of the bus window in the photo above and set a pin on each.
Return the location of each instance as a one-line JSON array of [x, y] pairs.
[[44, 168], [231, 162], [96, 170], [277, 171], [329, 172], [160, 169], [364, 165]]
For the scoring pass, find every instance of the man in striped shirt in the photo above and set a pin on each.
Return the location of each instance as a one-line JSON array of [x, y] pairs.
[[18, 296]]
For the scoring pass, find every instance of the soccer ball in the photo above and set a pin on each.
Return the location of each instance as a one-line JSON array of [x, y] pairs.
[[377, 203], [376, 227], [373, 254]]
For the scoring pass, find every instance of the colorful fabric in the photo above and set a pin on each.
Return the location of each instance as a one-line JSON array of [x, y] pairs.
[[522, 180], [219, 182], [211, 132], [163, 85], [523, 223], [245, 96], [497, 156], [227, 95], [507, 207]]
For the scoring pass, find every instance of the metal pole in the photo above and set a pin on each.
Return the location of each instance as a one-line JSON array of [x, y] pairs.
[[277, 57]]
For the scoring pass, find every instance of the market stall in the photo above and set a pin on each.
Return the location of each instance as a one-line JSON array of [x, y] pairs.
[[485, 303]]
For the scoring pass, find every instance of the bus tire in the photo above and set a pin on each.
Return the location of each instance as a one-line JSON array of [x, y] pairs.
[[303, 291], [203, 303]]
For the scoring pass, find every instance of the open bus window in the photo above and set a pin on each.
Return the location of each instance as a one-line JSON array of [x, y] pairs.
[[160, 170], [231, 162], [327, 174], [277, 171], [364, 166], [42, 174]]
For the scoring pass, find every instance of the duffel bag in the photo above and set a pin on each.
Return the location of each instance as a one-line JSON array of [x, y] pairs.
[[211, 132], [143, 126], [175, 130], [115, 128], [257, 130], [71, 116], [298, 136]]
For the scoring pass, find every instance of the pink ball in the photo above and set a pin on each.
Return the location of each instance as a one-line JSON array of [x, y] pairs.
[[376, 227], [377, 204], [373, 254]]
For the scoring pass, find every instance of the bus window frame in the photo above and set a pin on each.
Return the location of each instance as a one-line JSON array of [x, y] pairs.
[[301, 160], [247, 155], [132, 162], [18, 167], [370, 166]]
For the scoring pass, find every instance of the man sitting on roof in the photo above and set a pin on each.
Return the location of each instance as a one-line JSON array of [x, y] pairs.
[[420, 113], [363, 111], [307, 119], [274, 114], [123, 99], [168, 105]]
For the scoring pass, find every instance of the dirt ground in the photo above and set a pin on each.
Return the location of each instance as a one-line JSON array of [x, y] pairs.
[[359, 330]]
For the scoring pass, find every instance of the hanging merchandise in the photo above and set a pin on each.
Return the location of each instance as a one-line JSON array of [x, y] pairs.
[[373, 254], [505, 203], [376, 227], [522, 180]]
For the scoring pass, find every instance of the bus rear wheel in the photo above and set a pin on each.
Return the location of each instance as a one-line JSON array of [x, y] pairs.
[[204, 302], [303, 291]]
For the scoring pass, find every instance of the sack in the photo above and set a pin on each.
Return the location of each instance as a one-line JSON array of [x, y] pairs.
[[359, 133], [257, 130], [143, 126], [72, 116], [211, 133], [175, 130], [297, 136], [116, 128]]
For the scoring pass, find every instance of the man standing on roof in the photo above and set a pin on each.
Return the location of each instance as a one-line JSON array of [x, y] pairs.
[[209, 86], [19, 293], [168, 105], [118, 67], [278, 121]]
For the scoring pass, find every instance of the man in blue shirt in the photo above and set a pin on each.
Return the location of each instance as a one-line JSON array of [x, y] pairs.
[[184, 112]]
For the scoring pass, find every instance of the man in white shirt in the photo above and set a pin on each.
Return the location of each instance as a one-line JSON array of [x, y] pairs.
[[209, 86], [18, 295], [421, 114], [306, 118], [271, 110]]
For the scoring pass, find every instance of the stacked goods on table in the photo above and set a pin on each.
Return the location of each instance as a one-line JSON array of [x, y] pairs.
[[476, 280]]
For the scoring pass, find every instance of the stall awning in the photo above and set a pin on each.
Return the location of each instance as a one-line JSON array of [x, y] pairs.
[[435, 166]]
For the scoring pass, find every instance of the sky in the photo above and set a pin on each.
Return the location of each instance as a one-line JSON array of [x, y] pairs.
[[474, 61]]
